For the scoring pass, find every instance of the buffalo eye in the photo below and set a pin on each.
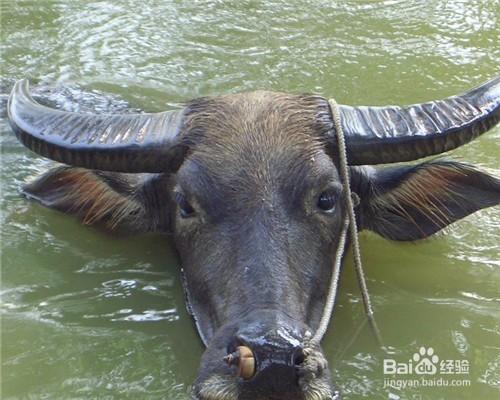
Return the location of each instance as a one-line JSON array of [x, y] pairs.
[[186, 210], [327, 201]]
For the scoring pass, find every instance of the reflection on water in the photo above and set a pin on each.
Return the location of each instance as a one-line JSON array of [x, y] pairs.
[[89, 315]]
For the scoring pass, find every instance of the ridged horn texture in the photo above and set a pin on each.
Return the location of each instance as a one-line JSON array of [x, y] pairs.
[[378, 135], [122, 142]]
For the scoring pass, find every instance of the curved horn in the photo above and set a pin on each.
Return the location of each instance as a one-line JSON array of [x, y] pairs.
[[377, 135], [122, 143]]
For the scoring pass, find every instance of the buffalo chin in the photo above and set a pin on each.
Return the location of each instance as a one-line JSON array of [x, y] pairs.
[[219, 387]]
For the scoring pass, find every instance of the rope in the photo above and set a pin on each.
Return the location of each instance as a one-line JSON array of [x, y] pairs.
[[334, 283], [349, 222]]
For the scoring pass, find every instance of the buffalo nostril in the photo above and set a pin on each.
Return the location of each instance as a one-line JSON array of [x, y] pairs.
[[298, 357], [244, 361]]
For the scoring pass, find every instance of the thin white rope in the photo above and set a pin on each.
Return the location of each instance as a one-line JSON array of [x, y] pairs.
[[349, 222], [334, 283]]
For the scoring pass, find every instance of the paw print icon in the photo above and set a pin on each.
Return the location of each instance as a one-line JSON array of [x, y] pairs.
[[426, 361]]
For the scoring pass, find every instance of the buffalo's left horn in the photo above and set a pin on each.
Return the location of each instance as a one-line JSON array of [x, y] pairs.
[[377, 135], [122, 143]]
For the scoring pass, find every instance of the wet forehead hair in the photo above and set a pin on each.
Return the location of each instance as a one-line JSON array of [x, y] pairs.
[[263, 137]]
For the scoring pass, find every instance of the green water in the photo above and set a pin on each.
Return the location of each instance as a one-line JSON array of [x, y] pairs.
[[87, 315]]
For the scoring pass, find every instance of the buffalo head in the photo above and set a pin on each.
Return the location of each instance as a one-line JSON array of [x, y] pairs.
[[248, 186]]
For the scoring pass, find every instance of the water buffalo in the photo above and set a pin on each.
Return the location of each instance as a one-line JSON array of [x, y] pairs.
[[248, 186]]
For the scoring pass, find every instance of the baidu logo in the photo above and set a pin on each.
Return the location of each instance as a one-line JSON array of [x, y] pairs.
[[426, 361], [423, 362], [425, 369]]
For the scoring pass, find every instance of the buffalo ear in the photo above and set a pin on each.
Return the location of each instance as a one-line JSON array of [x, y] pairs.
[[116, 201], [413, 202]]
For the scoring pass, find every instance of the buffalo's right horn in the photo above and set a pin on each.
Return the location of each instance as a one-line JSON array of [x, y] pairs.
[[377, 135], [122, 143]]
